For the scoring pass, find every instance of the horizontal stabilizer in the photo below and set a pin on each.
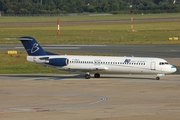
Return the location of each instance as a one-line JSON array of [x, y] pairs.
[[18, 39]]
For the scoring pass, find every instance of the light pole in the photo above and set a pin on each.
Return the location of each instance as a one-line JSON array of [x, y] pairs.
[[132, 19]]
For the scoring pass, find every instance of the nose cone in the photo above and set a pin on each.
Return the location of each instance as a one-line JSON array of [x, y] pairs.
[[173, 69]]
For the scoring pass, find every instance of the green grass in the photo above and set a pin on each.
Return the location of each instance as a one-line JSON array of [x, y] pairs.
[[18, 64], [96, 33], [84, 17], [147, 32]]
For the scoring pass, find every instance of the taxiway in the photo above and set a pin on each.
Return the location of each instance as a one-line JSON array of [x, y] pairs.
[[70, 96]]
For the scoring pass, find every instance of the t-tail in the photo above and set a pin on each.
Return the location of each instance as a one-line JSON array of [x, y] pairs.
[[32, 47]]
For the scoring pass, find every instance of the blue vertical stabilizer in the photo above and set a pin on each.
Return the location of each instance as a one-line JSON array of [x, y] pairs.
[[32, 47]]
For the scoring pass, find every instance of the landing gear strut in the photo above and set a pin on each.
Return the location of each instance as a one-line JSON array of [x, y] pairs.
[[158, 76], [87, 76]]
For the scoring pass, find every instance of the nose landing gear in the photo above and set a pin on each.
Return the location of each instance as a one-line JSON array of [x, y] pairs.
[[158, 76]]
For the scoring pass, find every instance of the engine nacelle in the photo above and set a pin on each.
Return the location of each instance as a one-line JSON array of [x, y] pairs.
[[57, 61]]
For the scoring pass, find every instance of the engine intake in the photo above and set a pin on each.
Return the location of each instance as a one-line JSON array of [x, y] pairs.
[[57, 61]]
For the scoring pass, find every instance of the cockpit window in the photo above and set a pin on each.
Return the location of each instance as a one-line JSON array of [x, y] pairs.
[[163, 63]]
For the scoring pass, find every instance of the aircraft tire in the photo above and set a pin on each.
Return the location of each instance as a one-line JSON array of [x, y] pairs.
[[87, 76], [158, 78], [97, 75]]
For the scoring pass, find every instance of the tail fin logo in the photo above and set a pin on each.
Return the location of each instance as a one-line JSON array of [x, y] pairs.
[[34, 48]]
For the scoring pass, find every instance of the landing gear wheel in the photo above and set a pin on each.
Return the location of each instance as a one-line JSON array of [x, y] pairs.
[[158, 78], [87, 76], [97, 75]]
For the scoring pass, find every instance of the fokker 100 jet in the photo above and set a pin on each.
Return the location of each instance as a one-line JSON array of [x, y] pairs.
[[95, 64]]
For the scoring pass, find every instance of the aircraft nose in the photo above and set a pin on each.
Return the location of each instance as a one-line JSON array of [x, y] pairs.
[[173, 69]]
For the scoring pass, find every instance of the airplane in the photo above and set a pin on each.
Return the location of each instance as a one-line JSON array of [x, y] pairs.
[[95, 64]]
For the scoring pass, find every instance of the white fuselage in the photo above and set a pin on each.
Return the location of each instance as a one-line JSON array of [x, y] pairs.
[[110, 64]]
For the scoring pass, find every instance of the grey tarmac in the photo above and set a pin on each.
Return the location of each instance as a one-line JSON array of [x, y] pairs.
[[70, 96]]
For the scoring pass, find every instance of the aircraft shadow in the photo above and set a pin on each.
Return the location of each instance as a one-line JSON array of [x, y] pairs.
[[123, 77], [46, 77], [70, 76]]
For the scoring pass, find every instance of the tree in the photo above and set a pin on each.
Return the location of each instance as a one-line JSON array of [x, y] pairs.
[[23, 11], [105, 7], [91, 8], [10, 11], [113, 5], [79, 6]]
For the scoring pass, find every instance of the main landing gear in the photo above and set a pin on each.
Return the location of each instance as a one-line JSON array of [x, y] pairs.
[[88, 76], [96, 75]]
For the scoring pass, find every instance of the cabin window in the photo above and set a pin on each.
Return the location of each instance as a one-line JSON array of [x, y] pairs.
[[163, 63]]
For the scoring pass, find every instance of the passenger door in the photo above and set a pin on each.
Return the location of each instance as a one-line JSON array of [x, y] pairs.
[[153, 66]]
